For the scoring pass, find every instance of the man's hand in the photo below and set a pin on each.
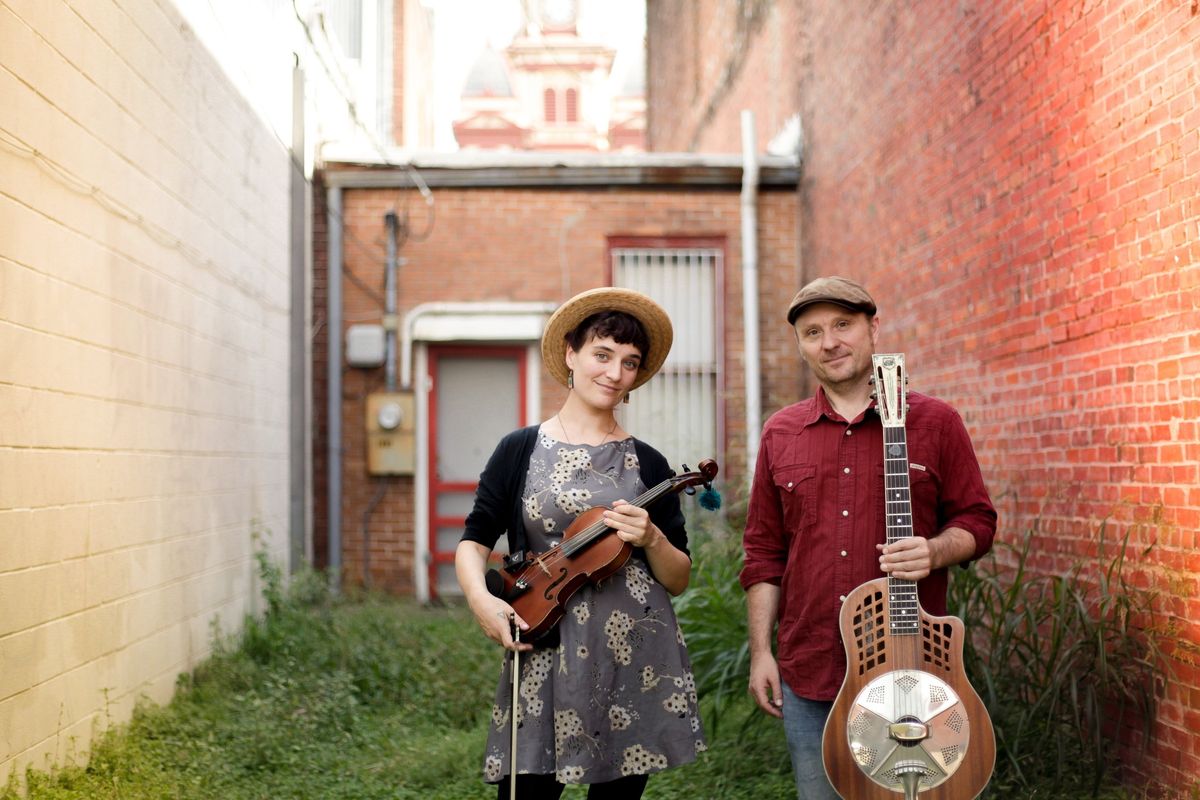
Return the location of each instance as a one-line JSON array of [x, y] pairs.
[[908, 559], [765, 686], [914, 557]]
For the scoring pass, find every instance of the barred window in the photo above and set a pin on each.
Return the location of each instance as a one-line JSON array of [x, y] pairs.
[[679, 410]]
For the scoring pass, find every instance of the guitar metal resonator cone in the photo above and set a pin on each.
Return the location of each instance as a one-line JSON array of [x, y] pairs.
[[908, 731]]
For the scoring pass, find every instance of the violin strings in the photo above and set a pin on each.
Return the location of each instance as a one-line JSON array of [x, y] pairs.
[[569, 547]]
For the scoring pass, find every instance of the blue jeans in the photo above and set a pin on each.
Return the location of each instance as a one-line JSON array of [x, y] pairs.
[[804, 723]]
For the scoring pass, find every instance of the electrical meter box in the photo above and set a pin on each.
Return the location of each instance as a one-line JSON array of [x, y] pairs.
[[391, 433]]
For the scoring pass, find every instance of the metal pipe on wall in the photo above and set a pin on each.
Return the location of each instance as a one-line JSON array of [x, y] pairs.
[[299, 322], [389, 321], [333, 216], [749, 206]]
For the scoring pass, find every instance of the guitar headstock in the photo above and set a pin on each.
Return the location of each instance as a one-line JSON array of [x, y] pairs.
[[890, 380]]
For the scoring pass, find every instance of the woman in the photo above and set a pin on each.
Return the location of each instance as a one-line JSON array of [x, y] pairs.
[[612, 698]]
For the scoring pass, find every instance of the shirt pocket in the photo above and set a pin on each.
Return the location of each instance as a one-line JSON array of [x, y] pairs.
[[923, 489], [796, 486]]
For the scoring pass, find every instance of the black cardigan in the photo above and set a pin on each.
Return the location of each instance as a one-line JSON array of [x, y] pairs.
[[498, 498]]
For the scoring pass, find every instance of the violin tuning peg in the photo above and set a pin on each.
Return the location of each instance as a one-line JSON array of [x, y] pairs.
[[685, 468]]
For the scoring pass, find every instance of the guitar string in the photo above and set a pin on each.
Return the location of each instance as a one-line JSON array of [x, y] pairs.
[[901, 591]]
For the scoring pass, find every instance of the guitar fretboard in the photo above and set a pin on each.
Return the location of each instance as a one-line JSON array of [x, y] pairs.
[[902, 594]]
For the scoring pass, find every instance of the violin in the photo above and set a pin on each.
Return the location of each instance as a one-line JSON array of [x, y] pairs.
[[539, 587]]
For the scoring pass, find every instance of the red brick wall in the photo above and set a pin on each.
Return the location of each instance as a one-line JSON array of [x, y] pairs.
[[540, 245], [706, 60], [1018, 183]]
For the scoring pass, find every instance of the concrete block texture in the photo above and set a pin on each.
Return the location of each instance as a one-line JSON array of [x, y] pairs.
[[144, 304]]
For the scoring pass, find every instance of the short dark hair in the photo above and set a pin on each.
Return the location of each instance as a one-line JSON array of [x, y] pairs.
[[623, 328]]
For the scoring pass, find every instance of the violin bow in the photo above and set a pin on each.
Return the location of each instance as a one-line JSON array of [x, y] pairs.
[[512, 750]]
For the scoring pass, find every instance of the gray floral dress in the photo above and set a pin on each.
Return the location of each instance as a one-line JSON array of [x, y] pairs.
[[616, 695]]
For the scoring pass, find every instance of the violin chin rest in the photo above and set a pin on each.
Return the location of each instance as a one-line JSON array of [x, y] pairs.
[[494, 583]]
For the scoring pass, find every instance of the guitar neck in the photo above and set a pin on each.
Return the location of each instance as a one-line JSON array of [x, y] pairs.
[[902, 594]]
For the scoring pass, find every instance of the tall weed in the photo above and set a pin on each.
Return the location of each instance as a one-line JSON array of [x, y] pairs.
[[1064, 664]]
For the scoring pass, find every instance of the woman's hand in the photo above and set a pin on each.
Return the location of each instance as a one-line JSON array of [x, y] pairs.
[[632, 524], [668, 564], [495, 617], [493, 614]]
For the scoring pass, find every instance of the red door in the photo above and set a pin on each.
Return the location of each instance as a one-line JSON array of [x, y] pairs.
[[476, 396]]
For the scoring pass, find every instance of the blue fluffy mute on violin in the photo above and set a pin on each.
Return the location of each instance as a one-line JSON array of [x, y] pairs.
[[710, 499]]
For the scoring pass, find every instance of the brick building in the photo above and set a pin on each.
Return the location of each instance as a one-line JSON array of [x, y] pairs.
[[1018, 183], [504, 240]]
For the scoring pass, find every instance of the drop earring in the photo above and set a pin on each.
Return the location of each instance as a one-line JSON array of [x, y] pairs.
[[570, 379], [625, 399]]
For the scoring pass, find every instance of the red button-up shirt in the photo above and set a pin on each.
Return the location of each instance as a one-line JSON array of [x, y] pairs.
[[816, 514]]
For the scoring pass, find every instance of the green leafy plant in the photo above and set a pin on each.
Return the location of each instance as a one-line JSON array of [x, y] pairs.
[[1064, 662]]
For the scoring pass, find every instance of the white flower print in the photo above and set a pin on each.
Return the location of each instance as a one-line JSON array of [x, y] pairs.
[[639, 761], [638, 581], [649, 679], [631, 460], [573, 501], [619, 718], [582, 612], [537, 670], [579, 458], [617, 630], [676, 704], [499, 716], [570, 774], [491, 768], [532, 509], [567, 725]]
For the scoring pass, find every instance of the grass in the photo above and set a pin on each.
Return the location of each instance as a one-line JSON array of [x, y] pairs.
[[372, 697], [360, 698]]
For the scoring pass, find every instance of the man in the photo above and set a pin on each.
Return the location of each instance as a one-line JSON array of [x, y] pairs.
[[815, 527]]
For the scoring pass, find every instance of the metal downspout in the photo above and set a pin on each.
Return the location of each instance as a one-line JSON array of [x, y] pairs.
[[750, 289], [299, 353], [392, 225], [333, 217]]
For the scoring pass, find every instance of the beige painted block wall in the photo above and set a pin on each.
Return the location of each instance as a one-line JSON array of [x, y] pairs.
[[143, 363]]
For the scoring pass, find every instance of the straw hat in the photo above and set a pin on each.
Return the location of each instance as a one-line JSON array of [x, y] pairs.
[[567, 317]]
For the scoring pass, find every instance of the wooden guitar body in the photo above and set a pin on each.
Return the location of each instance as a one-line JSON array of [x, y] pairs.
[[901, 680]]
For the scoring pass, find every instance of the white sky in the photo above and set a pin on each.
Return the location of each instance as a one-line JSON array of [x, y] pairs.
[[463, 27]]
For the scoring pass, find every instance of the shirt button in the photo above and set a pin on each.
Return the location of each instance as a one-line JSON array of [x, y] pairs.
[[843, 554], [789, 484], [846, 470], [848, 432], [845, 513], [842, 597]]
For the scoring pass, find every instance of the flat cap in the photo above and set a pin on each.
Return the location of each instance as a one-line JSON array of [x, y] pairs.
[[831, 289]]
